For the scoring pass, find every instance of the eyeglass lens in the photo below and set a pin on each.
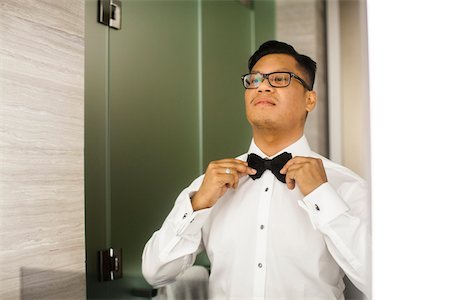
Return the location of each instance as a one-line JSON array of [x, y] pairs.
[[275, 79]]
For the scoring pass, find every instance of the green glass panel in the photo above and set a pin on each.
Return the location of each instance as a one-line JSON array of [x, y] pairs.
[[226, 34], [96, 103], [153, 122]]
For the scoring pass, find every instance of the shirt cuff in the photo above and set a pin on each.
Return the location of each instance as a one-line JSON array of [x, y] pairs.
[[188, 221], [324, 204]]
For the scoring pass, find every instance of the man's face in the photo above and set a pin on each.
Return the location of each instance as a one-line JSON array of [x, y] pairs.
[[278, 108]]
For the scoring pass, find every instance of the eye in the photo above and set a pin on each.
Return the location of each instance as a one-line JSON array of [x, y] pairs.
[[279, 79], [255, 79]]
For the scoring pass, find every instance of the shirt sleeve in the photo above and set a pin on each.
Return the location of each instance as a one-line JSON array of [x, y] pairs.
[[173, 248], [342, 215]]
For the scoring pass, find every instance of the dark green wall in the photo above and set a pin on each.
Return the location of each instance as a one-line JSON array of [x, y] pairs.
[[264, 21], [163, 98]]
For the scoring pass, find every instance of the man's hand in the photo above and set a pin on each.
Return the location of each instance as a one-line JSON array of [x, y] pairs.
[[219, 177], [308, 172]]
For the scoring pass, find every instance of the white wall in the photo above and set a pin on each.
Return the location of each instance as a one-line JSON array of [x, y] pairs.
[[355, 137], [348, 85], [42, 253], [409, 93]]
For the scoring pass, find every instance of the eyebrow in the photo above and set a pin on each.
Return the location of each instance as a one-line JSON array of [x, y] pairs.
[[279, 70]]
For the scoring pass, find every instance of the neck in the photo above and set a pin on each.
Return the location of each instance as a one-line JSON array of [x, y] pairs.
[[271, 143]]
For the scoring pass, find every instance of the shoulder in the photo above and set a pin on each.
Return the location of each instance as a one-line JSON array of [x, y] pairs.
[[340, 176]]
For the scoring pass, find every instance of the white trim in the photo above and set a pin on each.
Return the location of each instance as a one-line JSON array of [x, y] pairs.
[[334, 81]]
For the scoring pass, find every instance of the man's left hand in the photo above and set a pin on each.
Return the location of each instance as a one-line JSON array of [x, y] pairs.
[[307, 172]]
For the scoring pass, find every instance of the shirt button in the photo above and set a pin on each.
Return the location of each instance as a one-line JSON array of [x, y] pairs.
[[266, 189], [260, 265], [184, 216], [317, 207], [261, 227]]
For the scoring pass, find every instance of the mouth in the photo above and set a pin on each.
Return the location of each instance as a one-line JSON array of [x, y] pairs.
[[263, 102]]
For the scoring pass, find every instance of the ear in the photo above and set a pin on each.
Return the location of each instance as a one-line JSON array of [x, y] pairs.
[[311, 100]]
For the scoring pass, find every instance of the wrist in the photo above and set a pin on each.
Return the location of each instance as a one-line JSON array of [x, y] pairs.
[[198, 203]]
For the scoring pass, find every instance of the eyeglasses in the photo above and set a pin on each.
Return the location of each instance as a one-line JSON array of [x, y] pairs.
[[275, 79]]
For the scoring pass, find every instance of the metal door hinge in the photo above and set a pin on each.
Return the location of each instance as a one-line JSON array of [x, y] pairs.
[[110, 264], [110, 13]]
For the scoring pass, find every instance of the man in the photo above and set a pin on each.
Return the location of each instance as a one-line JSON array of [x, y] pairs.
[[289, 232]]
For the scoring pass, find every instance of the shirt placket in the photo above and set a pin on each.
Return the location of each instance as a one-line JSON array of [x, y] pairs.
[[260, 264]]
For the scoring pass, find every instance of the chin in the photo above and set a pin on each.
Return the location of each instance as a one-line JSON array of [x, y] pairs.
[[264, 124]]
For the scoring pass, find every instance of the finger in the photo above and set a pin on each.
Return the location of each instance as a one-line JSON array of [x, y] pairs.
[[236, 168], [291, 176], [225, 163], [290, 182], [236, 180], [245, 170], [296, 160], [311, 166], [236, 175], [233, 175], [294, 169], [288, 165], [248, 171], [225, 180]]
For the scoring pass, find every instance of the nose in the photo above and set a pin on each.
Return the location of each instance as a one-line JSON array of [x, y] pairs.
[[265, 86]]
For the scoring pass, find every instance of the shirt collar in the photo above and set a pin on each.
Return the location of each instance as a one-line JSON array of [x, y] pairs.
[[298, 148]]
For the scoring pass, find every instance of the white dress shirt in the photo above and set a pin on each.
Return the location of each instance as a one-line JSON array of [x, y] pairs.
[[265, 241]]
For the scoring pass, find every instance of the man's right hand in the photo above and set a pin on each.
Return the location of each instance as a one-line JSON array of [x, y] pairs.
[[219, 177]]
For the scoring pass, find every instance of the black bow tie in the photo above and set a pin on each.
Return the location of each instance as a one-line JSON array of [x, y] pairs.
[[275, 165]]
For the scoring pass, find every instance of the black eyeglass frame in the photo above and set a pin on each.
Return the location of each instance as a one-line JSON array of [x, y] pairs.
[[266, 76]]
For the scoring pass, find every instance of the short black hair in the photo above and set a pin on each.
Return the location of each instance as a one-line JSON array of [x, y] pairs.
[[305, 63]]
